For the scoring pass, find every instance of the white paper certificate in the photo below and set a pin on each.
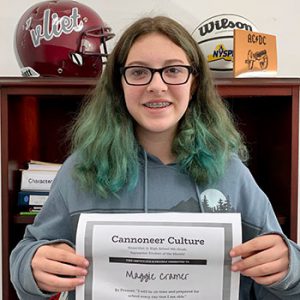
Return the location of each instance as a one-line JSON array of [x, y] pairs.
[[159, 256]]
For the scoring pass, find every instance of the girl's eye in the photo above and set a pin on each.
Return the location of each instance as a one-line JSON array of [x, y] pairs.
[[138, 72], [174, 71]]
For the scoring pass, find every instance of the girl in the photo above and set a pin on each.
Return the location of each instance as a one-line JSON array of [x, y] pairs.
[[155, 137]]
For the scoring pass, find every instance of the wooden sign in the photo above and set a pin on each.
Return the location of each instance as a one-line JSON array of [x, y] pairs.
[[255, 54]]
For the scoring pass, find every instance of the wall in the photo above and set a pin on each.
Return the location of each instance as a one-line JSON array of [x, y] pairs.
[[282, 20], [268, 16]]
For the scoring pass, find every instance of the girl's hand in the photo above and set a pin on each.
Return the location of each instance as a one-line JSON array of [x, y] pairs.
[[265, 259], [57, 268]]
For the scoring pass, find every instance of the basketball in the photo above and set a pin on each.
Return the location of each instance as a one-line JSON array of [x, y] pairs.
[[215, 38]]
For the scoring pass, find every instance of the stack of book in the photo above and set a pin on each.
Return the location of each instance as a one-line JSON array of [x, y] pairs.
[[36, 181]]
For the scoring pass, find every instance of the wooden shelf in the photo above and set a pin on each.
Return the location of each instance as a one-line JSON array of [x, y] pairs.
[[35, 113]]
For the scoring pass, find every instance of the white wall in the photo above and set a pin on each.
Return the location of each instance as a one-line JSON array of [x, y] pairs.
[[298, 237], [274, 17], [268, 15]]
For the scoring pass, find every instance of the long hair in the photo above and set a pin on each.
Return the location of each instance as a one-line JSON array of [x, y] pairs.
[[103, 134]]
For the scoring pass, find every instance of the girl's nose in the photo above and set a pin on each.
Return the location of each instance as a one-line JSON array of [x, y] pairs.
[[157, 84]]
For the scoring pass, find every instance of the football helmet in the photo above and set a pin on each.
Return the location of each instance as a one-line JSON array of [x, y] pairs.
[[61, 38]]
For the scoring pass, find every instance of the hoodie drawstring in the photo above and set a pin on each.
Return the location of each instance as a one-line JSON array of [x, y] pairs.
[[199, 198], [145, 182]]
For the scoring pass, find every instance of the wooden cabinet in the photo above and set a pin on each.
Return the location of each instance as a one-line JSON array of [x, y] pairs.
[[34, 118], [35, 114], [267, 112]]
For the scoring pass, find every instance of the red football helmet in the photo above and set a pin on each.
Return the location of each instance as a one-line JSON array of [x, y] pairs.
[[61, 38]]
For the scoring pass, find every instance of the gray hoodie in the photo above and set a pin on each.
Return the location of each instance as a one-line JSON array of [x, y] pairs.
[[160, 188]]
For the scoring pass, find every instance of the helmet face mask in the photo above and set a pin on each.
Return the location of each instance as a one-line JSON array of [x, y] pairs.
[[61, 38]]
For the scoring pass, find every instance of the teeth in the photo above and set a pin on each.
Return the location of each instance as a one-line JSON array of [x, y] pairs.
[[157, 104]]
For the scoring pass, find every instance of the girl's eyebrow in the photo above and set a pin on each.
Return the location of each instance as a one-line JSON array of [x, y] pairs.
[[166, 63]]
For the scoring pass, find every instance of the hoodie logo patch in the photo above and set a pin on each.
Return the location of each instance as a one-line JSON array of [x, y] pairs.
[[214, 201]]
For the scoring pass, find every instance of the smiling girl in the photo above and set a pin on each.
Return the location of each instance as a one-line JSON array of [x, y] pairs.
[[154, 137]]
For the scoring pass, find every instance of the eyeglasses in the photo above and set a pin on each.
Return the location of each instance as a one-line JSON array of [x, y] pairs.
[[173, 75]]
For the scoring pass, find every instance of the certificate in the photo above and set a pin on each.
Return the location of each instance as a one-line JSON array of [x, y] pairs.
[[159, 256]]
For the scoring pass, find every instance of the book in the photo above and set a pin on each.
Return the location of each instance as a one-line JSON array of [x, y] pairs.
[[42, 165], [34, 180], [60, 296], [31, 200], [28, 213], [31, 211]]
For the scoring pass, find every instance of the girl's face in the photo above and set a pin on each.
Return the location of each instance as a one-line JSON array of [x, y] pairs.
[[157, 106]]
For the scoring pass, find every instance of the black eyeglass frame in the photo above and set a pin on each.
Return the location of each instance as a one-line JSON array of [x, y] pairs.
[[191, 70]]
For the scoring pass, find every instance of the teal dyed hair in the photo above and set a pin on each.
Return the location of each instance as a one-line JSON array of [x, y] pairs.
[[103, 134]]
